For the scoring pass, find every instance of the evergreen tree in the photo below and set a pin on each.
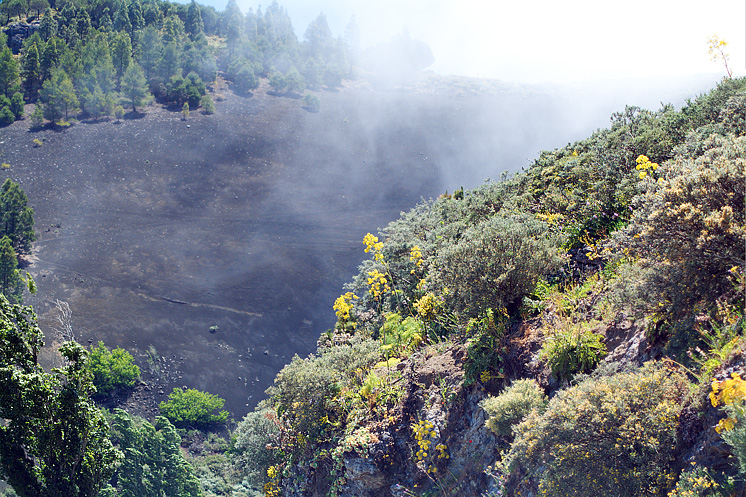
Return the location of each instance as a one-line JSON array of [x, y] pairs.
[[318, 38], [48, 26], [153, 465], [17, 105], [37, 117], [122, 19], [31, 70], [194, 25], [50, 57], [9, 75], [294, 82], [173, 29], [17, 221], [150, 52], [121, 52], [233, 26], [38, 6], [58, 95], [11, 284], [136, 19], [134, 85], [170, 63]]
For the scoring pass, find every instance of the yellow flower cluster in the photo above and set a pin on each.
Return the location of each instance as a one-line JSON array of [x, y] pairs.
[[343, 306], [423, 432], [730, 392], [644, 166], [373, 245], [271, 488], [427, 307], [415, 255], [378, 283]]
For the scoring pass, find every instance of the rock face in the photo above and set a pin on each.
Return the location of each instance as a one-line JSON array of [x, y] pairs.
[[435, 394], [17, 32]]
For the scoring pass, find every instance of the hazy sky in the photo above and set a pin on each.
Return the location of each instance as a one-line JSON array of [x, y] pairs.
[[544, 40]]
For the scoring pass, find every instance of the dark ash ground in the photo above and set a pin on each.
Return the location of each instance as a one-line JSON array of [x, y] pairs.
[[156, 229]]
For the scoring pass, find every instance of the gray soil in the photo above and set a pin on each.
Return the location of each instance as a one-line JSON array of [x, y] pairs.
[[156, 229]]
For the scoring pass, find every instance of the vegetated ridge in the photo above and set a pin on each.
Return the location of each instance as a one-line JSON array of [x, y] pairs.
[[575, 329]]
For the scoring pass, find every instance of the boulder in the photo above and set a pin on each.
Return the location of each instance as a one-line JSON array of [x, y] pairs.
[[17, 32]]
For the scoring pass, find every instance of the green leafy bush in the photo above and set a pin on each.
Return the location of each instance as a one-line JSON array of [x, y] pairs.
[[153, 463], [112, 368], [485, 347], [495, 263], [305, 391], [193, 407], [400, 336], [311, 102], [254, 437], [573, 349], [512, 405], [208, 107], [617, 433]]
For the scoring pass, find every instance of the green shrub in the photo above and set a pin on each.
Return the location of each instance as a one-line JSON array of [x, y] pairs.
[[112, 368], [193, 407], [153, 463], [311, 103], [485, 348], [512, 405], [400, 337], [208, 107], [6, 116], [495, 263], [254, 437], [617, 433], [305, 391], [572, 349]]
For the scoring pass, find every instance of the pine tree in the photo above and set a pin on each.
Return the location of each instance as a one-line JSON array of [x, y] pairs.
[[122, 19], [17, 221], [134, 85], [9, 75], [58, 95], [121, 52], [48, 26], [11, 284], [31, 70], [194, 25], [37, 117]]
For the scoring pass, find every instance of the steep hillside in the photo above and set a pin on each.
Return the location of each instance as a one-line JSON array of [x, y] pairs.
[[556, 333]]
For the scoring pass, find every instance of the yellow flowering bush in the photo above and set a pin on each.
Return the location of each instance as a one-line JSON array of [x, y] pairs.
[[373, 246], [617, 433], [686, 234], [378, 283], [415, 255], [425, 435], [343, 306], [731, 396], [646, 167], [699, 482]]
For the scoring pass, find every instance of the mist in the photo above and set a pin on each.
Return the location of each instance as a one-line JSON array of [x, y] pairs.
[[213, 249]]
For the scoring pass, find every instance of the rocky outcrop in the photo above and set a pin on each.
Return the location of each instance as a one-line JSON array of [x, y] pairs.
[[17, 32]]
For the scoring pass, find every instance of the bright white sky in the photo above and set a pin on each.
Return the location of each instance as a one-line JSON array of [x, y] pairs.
[[536, 41]]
